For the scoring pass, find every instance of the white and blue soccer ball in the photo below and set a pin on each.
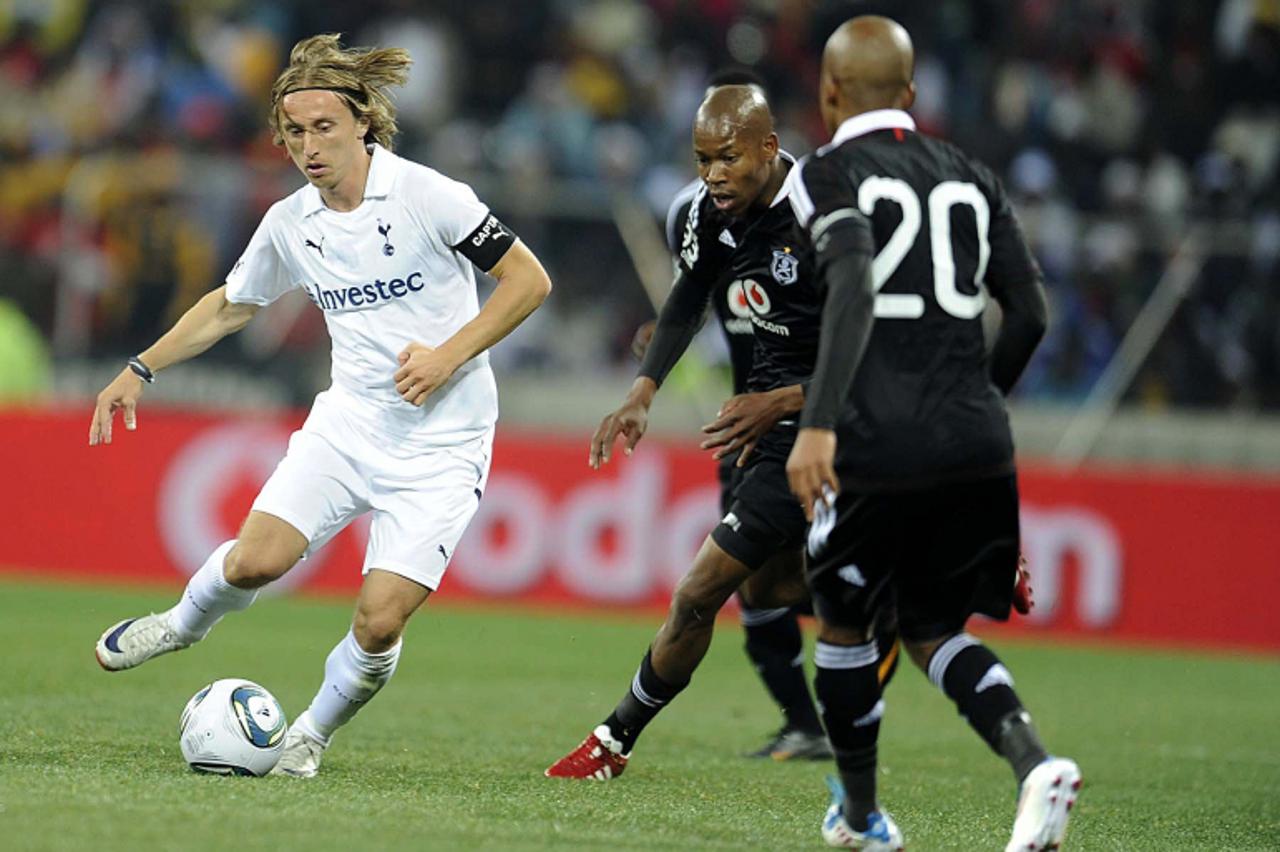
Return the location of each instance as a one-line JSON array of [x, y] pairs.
[[232, 727]]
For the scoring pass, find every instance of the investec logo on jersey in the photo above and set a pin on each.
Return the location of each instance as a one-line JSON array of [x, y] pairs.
[[360, 295]]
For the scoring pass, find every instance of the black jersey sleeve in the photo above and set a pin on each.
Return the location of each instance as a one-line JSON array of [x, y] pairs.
[[826, 207], [695, 270], [678, 321], [1014, 280]]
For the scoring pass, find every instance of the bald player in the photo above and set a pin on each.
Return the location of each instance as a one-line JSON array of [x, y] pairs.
[[904, 457], [739, 226], [773, 638]]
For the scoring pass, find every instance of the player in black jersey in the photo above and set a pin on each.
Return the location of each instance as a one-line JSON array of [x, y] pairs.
[[774, 641], [739, 229], [905, 457]]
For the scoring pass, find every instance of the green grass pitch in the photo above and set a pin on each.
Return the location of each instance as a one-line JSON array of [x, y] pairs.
[[1179, 751]]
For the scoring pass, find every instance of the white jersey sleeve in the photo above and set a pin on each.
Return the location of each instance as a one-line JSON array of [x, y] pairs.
[[446, 206], [260, 276]]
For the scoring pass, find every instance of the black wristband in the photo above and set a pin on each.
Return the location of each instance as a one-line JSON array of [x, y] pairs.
[[141, 370]]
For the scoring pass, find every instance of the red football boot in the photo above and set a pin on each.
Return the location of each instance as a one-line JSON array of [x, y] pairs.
[[598, 758], [1022, 600]]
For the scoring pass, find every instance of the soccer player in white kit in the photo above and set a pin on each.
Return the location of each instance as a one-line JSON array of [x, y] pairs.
[[385, 247]]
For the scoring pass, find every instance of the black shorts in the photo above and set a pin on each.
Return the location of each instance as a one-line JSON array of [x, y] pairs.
[[942, 555], [729, 475], [763, 517]]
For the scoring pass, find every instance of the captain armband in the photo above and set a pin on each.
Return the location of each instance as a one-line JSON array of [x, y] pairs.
[[486, 245]]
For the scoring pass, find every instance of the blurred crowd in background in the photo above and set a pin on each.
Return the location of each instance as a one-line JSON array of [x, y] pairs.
[[135, 160]]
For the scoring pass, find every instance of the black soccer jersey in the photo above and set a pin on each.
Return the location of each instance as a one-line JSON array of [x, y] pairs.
[[922, 407], [760, 270]]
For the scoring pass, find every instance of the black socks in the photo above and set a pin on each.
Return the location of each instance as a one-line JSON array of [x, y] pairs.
[[776, 647], [982, 689], [848, 688], [648, 694]]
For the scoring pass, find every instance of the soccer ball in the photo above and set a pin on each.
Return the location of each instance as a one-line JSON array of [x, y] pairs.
[[232, 727]]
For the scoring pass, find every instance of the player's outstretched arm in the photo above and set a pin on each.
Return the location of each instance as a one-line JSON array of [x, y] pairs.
[[679, 320], [523, 285], [204, 324]]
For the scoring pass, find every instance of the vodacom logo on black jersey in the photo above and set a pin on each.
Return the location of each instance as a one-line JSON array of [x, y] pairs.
[[748, 300]]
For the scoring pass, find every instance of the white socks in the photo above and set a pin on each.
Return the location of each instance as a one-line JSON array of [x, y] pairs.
[[351, 677], [208, 597]]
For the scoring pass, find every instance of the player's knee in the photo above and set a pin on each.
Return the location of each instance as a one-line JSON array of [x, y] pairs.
[[842, 634], [377, 632], [248, 567], [922, 652], [714, 577], [773, 594]]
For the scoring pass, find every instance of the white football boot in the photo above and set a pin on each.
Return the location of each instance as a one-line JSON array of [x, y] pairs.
[[1044, 805], [302, 751], [882, 834], [135, 640]]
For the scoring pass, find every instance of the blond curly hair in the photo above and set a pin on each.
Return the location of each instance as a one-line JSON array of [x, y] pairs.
[[359, 76]]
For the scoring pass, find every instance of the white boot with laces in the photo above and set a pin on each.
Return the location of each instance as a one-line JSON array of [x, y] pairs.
[[302, 750], [135, 640]]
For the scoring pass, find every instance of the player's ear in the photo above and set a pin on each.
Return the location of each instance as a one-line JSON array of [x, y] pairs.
[[362, 128], [771, 146], [828, 94], [909, 95]]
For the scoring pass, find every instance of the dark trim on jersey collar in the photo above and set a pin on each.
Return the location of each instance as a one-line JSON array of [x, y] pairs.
[[870, 122], [377, 184]]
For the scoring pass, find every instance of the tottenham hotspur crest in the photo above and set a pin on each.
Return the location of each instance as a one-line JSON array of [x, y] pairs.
[[387, 248], [785, 266]]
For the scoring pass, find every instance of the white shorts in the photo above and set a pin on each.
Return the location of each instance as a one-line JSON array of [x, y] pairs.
[[337, 468]]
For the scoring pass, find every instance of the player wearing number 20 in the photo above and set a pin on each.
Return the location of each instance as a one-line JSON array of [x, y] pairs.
[[904, 456]]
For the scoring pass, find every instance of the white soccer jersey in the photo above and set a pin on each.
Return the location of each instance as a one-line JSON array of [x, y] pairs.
[[385, 274]]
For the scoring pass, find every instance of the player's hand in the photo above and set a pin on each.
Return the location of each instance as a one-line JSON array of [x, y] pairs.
[[423, 369], [743, 421], [811, 468], [643, 337], [628, 421], [122, 393], [1023, 595]]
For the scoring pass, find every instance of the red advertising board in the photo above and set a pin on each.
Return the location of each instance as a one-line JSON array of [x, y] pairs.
[[1131, 555]]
